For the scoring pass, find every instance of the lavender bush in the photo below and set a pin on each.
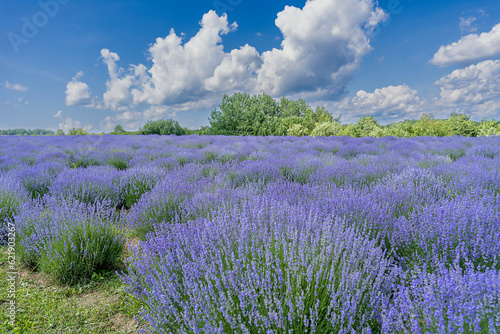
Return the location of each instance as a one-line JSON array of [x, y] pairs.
[[449, 301], [137, 181], [89, 185], [68, 239], [12, 195], [263, 267]]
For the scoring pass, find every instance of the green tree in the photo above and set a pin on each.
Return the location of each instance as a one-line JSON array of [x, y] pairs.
[[350, 130], [367, 126], [118, 130], [400, 129], [260, 115], [228, 116], [77, 132], [60, 132], [429, 126], [242, 114], [298, 130], [460, 124], [327, 129], [488, 128], [162, 127], [290, 108]]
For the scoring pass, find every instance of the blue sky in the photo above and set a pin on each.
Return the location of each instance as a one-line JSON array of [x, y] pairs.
[[95, 64]]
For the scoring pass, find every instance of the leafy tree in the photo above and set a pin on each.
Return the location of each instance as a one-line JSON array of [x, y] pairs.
[[327, 129], [298, 130], [291, 108], [399, 129], [488, 128], [366, 126], [460, 124], [60, 132], [227, 118], [162, 127], [245, 115], [429, 126], [351, 130], [77, 132], [118, 130], [242, 114]]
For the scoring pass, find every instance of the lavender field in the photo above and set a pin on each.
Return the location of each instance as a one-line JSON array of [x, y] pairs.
[[267, 234]]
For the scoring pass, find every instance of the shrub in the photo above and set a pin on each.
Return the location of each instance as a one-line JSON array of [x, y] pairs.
[[12, 195], [327, 129], [163, 205], [138, 181], [162, 127], [68, 239], [89, 185], [298, 130], [257, 268], [449, 301]]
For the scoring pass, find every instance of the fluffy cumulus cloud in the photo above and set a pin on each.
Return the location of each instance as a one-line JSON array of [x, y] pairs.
[[67, 123], [117, 89], [391, 103], [469, 49], [323, 43], [18, 87], [132, 119], [78, 93], [475, 89]]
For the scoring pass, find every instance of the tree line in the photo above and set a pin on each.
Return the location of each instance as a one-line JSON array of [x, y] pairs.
[[260, 115], [242, 114]]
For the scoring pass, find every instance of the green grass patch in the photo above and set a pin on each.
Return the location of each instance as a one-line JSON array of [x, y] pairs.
[[43, 306]]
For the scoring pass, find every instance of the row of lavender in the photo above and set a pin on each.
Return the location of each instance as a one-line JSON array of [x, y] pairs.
[[269, 234]]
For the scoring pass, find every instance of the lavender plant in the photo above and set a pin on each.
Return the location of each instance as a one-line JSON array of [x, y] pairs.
[[12, 195], [453, 300], [68, 239], [138, 181], [89, 185], [262, 267]]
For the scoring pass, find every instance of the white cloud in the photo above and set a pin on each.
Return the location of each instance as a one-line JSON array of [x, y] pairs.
[[155, 113], [78, 93], [475, 88], [130, 120], [391, 103], [179, 71], [237, 71], [68, 123], [117, 89], [323, 43], [466, 24], [469, 49], [133, 119], [18, 87]]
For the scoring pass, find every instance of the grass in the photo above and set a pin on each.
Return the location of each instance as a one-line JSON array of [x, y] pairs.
[[101, 306]]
